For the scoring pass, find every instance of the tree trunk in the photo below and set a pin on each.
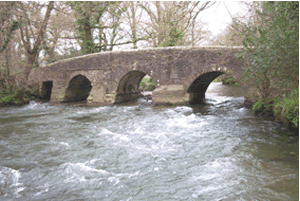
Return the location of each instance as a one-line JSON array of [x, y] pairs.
[[31, 54], [89, 38], [30, 59], [134, 39], [7, 55]]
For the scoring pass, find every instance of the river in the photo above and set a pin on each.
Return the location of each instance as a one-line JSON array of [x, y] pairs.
[[133, 151]]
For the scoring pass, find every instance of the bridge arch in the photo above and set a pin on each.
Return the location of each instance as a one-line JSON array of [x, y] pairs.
[[199, 86], [198, 82], [79, 89], [130, 82], [128, 87]]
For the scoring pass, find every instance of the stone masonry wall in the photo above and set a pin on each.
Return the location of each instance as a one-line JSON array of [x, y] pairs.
[[178, 66]]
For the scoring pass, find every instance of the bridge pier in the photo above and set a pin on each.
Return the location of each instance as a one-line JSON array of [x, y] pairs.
[[98, 94], [174, 94], [58, 92]]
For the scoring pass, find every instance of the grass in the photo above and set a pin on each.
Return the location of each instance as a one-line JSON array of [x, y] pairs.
[[285, 110]]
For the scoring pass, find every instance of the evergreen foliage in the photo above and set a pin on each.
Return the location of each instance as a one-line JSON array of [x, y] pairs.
[[174, 37], [90, 22]]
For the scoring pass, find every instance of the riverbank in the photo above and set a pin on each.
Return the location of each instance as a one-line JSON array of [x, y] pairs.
[[13, 95], [281, 109]]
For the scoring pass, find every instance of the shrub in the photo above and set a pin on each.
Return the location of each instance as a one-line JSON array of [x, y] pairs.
[[14, 95], [287, 109], [263, 106], [229, 81], [147, 84], [8, 97], [151, 86]]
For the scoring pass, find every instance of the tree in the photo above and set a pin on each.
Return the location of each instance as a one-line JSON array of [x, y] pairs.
[[170, 21], [59, 38], [115, 12], [98, 25], [29, 21], [88, 15], [230, 36], [174, 37], [196, 33], [8, 27], [132, 16], [271, 37], [32, 32], [271, 41]]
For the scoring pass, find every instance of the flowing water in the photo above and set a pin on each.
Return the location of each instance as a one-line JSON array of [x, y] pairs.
[[216, 151]]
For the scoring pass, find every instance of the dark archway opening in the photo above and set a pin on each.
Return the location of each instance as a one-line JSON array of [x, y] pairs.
[[78, 90], [198, 88], [130, 88], [130, 82], [46, 90]]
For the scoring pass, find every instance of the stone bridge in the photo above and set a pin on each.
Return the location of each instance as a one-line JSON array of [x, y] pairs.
[[181, 74]]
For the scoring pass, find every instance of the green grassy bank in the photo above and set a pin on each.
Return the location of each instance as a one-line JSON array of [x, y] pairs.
[[283, 109]]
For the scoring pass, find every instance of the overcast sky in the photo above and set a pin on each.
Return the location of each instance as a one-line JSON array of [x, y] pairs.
[[217, 17]]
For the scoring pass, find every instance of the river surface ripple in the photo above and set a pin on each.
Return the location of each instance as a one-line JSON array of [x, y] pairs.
[[216, 151]]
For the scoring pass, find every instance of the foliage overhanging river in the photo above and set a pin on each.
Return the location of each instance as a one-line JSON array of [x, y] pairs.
[[216, 151]]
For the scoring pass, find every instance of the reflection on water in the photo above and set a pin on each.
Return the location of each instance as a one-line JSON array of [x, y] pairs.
[[216, 151], [217, 89]]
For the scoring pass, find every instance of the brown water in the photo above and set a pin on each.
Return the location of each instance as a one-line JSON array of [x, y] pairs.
[[216, 151]]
